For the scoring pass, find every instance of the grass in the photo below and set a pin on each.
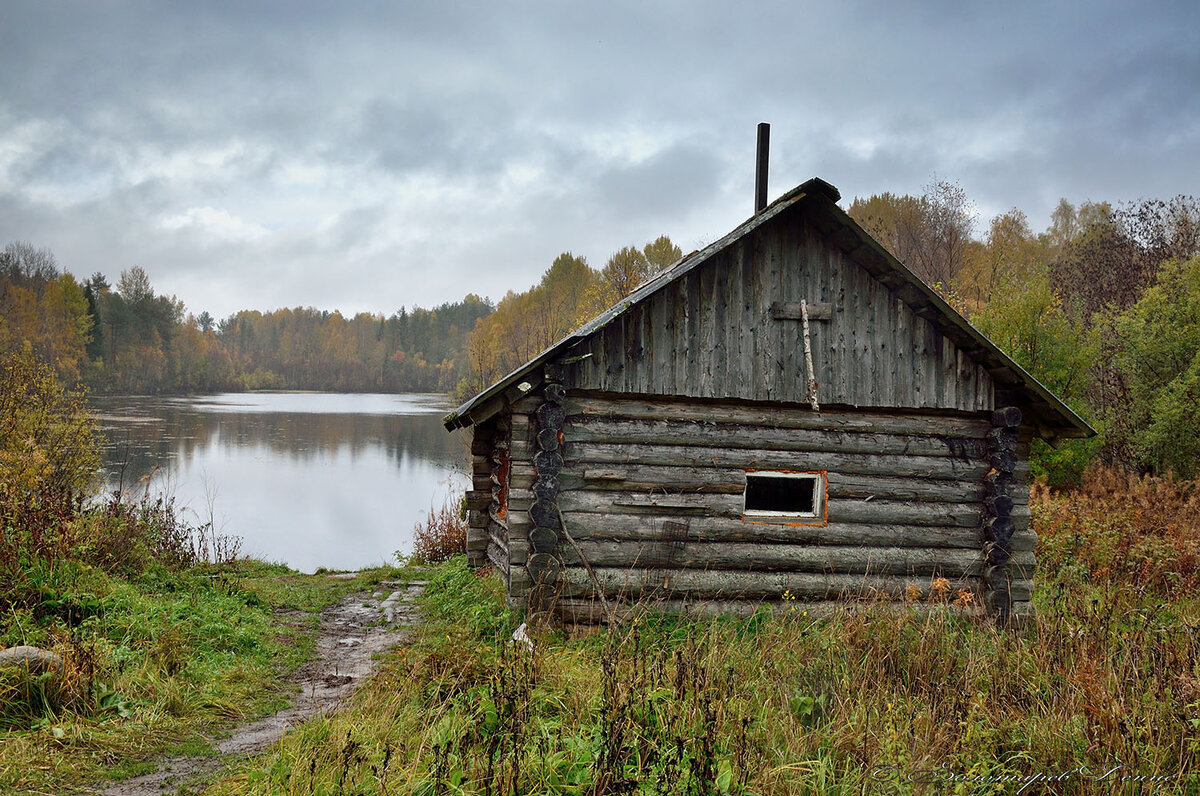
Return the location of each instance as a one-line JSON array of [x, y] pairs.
[[1101, 689], [165, 661], [163, 636]]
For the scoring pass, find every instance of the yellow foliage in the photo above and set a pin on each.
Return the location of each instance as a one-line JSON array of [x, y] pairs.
[[569, 294], [46, 435], [52, 319]]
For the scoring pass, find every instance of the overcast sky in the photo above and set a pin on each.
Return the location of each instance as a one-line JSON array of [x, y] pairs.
[[367, 156]]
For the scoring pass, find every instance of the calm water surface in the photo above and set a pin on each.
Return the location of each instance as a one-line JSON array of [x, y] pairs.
[[310, 479]]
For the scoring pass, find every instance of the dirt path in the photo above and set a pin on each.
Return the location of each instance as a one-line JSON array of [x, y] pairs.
[[351, 632]]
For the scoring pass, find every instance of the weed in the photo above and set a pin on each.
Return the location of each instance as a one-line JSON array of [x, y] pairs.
[[443, 533], [1108, 668]]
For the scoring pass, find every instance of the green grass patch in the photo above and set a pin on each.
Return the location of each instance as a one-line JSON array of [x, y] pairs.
[[165, 661]]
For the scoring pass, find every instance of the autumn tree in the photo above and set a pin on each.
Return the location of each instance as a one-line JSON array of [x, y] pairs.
[[27, 266], [1116, 253], [563, 297], [624, 271], [1008, 255], [929, 233], [1100, 267], [46, 436], [42, 310], [661, 253], [1027, 320], [630, 267]]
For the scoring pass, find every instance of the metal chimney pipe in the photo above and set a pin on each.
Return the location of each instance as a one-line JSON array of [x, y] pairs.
[[760, 168]]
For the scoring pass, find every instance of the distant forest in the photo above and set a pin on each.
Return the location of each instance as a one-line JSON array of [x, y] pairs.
[[1103, 307], [125, 338]]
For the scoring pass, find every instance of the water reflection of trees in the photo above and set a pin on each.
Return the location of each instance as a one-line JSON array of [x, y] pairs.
[[140, 437]]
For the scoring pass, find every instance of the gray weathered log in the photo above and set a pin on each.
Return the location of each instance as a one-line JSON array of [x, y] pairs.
[[652, 478], [555, 393], [783, 557], [543, 540], [833, 418], [999, 505], [551, 416], [548, 462], [729, 435], [999, 529], [498, 557], [544, 514], [1006, 417], [1003, 439], [641, 528], [546, 487], [583, 611], [736, 584], [859, 463], [528, 403], [495, 517], [518, 553], [544, 569], [716, 505], [1005, 461]]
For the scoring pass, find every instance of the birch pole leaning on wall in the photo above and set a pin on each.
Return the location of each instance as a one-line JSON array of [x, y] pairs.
[[808, 362]]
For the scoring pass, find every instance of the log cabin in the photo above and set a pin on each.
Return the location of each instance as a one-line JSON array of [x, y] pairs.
[[788, 414]]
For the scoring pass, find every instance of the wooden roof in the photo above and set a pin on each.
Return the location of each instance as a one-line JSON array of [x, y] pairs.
[[816, 199]]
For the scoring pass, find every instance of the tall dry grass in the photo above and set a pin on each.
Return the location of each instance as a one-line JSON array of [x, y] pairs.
[[1101, 690], [442, 534], [1122, 531]]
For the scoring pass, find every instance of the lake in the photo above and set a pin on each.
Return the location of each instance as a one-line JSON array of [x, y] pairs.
[[309, 479]]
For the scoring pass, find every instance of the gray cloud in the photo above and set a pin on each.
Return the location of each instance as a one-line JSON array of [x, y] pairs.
[[373, 155]]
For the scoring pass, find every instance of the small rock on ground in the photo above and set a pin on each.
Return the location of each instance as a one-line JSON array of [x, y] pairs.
[[35, 659]]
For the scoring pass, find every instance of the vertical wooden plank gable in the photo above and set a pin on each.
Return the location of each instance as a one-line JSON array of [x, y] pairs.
[[710, 334]]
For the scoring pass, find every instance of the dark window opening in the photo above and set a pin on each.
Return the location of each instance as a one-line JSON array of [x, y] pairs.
[[783, 493]]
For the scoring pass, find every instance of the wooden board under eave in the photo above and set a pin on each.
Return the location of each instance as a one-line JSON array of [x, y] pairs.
[[710, 334]]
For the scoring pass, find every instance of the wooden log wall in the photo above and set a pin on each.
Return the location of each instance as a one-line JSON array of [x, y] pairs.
[[487, 501], [1003, 483], [479, 498], [520, 496], [724, 330], [544, 564], [651, 490]]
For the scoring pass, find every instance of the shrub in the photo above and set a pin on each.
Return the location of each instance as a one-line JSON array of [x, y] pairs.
[[1157, 351], [48, 523], [47, 444], [47, 458], [1122, 531], [442, 534]]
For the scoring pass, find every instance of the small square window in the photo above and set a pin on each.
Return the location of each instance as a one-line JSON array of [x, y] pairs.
[[774, 494]]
